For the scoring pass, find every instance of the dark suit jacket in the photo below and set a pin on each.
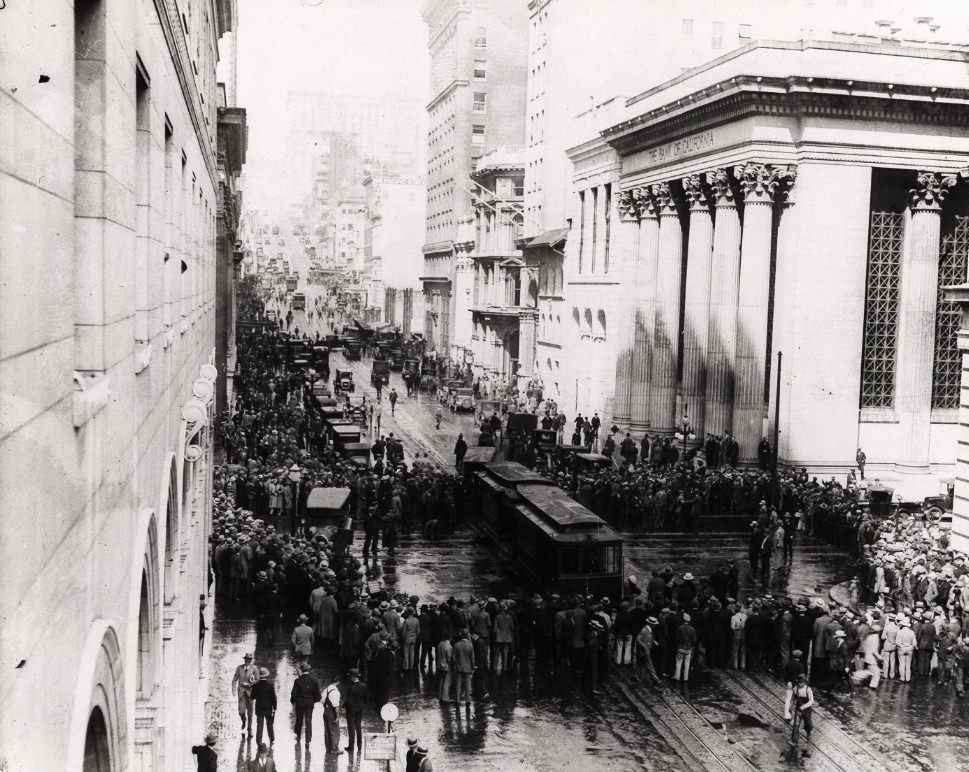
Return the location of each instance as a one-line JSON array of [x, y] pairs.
[[254, 766], [207, 759]]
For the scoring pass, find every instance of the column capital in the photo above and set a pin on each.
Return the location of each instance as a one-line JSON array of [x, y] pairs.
[[665, 198], [930, 190], [644, 202], [722, 187], [760, 183], [697, 193], [528, 316], [626, 204]]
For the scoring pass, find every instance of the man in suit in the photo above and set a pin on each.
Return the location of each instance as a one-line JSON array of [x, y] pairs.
[[262, 762], [242, 680], [463, 654], [264, 697], [206, 757], [354, 704], [306, 693]]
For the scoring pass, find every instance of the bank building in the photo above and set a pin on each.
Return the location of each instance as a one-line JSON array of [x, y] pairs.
[[786, 217]]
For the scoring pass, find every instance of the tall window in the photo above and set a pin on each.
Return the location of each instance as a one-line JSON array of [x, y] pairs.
[[143, 202], [881, 310], [716, 42], [477, 134], [581, 227], [947, 367], [595, 229], [687, 26], [480, 38], [480, 68], [479, 101], [607, 208]]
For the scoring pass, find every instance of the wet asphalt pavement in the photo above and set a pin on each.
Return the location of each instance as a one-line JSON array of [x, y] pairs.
[[546, 722]]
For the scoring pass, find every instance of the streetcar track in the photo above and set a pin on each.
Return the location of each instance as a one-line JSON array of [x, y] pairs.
[[825, 726], [832, 754], [714, 751]]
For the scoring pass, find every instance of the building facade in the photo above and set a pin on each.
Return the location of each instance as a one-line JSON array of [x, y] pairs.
[[795, 213], [108, 247], [478, 54]]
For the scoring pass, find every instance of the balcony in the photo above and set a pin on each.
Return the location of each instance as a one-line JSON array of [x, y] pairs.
[[508, 158]]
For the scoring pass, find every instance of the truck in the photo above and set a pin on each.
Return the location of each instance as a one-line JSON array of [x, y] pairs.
[[380, 373]]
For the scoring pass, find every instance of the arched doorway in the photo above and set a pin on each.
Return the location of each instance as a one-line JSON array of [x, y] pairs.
[[97, 750]]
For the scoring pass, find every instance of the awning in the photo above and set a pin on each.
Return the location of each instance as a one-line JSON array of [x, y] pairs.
[[365, 326], [550, 238]]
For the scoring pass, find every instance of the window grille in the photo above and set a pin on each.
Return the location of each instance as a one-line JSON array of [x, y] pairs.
[[947, 369], [881, 310]]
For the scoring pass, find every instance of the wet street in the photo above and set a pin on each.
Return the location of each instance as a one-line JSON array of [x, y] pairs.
[[540, 721]]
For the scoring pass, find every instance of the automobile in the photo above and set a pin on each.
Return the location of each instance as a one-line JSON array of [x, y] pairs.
[[332, 341], [321, 389], [452, 386], [489, 407], [395, 359], [343, 381], [351, 350], [380, 373], [938, 509], [544, 438], [272, 314], [463, 400]]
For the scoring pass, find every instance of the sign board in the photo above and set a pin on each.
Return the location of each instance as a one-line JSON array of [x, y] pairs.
[[380, 747]]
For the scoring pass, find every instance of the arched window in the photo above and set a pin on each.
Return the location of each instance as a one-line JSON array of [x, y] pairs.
[[97, 756], [171, 535], [480, 38]]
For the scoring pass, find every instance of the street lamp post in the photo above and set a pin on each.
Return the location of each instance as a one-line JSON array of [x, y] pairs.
[[295, 473], [686, 429]]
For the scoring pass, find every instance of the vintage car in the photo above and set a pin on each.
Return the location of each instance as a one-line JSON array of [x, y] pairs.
[[463, 400], [343, 381], [379, 373]]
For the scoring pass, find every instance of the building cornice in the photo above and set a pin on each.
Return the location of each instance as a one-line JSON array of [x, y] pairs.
[[797, 96], [452, 86], [167, 14]]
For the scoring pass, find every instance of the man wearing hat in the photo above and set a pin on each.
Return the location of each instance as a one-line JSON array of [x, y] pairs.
[[306, 693], [262, 762], [331, 717], [354, 704], [302, 639], [264, 697], [205, 756], [244, 677], [424, 763], [412, 760]]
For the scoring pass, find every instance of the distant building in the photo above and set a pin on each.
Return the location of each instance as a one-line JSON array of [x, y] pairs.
[[116, 226], [478, 58], [394, 234]]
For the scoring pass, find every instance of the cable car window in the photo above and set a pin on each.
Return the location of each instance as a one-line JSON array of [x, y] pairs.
[[570, 560], [592, 560]]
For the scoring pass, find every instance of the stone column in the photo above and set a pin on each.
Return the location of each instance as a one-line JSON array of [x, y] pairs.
[[625, 329], [759, 183], [666, 329], [959, 537], [697, 312], [527, 324], [644, 283], [918, 284], [722, 332]]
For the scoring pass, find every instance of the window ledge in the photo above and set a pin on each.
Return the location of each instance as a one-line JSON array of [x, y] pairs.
[[945, 415], [878, 415]]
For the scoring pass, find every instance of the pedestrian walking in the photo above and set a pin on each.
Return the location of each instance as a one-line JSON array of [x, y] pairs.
[[264, 697], [460, 450], [243, 679], [437, 417], [304, 696], [302, 639], [445, 660], [424, 763], [263, 762], [206, 759], [685, 644], [354, 705], [393, 400], [331, 717]]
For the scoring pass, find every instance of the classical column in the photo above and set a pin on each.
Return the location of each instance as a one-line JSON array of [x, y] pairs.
[[666, 329], [722, 333], [759, 183], [959, 537], [918, 284], [644, 283], [697, 311], [527, 323], [625, 329]]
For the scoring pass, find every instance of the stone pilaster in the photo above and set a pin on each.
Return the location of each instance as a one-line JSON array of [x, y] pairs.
[[627, 254], [959, 537], [759, 183], [918, 285], [697, 311], [644, 283], [722, 331], [666, 324], [527, 325]]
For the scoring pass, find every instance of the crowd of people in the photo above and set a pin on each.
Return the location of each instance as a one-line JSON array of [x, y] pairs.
[[906, 614]]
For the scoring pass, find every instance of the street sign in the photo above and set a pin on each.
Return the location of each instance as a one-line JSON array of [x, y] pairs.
[[380, 747]]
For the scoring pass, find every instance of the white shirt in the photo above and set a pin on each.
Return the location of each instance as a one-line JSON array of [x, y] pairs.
[[331, 696]]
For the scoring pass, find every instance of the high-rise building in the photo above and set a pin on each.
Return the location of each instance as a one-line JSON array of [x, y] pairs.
[[108, 309], [478, 58]]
